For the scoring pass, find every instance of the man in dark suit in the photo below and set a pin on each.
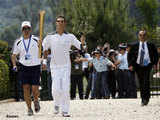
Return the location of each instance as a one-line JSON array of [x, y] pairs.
[[142, 57]]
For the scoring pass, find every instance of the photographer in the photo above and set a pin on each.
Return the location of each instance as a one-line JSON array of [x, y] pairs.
[[76, 74]]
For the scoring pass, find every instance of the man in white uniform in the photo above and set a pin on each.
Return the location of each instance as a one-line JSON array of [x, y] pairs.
[[29, 71], [60, 44]]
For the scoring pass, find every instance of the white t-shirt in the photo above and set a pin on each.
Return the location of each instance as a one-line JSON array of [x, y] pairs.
[[19, 49], [60, 46]]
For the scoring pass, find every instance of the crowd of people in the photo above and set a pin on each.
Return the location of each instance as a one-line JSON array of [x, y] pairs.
[[106, 71], [109, 73]]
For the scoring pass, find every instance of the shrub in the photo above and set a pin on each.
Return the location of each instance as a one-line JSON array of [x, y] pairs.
[[4, 80]]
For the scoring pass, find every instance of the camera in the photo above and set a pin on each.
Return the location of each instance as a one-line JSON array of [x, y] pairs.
[[74, 54]]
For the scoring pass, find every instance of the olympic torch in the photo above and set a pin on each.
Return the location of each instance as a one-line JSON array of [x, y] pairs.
[[41, 25]]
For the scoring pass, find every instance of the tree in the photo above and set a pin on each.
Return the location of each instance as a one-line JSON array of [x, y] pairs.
[[10, 34], [101, 20], [28, 10], [23, 10], [148, 9], [53, 5], [149, 17]]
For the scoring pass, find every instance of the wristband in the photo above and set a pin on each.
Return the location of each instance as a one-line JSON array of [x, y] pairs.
[[84, 47], [14, 68], [44, 61]]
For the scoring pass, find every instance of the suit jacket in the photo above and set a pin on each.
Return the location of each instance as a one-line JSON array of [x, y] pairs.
[[133, 54]]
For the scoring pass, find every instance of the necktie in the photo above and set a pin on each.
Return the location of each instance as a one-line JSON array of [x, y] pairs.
[[142, 55]]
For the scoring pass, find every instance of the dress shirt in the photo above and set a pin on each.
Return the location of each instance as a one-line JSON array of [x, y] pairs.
[[123, 61], [101, 64], [146, 55]]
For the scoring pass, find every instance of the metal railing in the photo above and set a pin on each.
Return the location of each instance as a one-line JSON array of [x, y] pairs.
[[155, 82]]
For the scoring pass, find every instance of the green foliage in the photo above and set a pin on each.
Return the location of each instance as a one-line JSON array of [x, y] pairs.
[[29, 11], [4, 80], [4, 51], [13, 12], [101, 20], [149, 10], [3, 46], [10, 34]]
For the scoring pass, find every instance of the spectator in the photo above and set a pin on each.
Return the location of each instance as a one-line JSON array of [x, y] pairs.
[[86, 73], [111, 74], [100, 64], [123, 72], [132, 89]]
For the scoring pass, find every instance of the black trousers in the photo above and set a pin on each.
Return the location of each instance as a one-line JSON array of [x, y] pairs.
[[76, 80], [112, 82], [122, 80], [88, 88], [143, 74], [132, 85]]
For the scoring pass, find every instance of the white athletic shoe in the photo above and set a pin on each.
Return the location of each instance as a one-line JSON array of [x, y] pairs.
[[56, 108], [36, 106], [65, 114], [30, 112]]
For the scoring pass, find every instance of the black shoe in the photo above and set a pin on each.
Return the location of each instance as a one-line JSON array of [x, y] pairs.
[[20, 100], [144, 102], [107, 97], [119, 97], [113, 97], [36, 106], [72, 98], [86, 97], [92, 98]]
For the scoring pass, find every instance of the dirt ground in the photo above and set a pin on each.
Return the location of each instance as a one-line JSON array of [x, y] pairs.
[[111, 109]]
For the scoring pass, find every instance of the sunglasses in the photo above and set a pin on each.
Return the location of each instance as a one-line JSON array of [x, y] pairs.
[[142, 35], [26, 29], [62, 21]]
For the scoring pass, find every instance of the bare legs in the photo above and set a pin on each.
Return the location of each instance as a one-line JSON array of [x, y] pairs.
[[27, 94]]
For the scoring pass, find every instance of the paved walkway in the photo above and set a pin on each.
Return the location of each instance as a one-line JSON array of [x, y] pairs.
[[112, 109]]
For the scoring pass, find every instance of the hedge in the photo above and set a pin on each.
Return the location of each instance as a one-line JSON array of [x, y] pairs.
[[4, 80]]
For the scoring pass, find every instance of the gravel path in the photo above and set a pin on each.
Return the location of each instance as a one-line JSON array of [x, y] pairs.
[[112, 109]]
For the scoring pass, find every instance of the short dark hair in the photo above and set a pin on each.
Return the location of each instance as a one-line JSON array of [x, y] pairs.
[[81, 33], [60, 16]]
